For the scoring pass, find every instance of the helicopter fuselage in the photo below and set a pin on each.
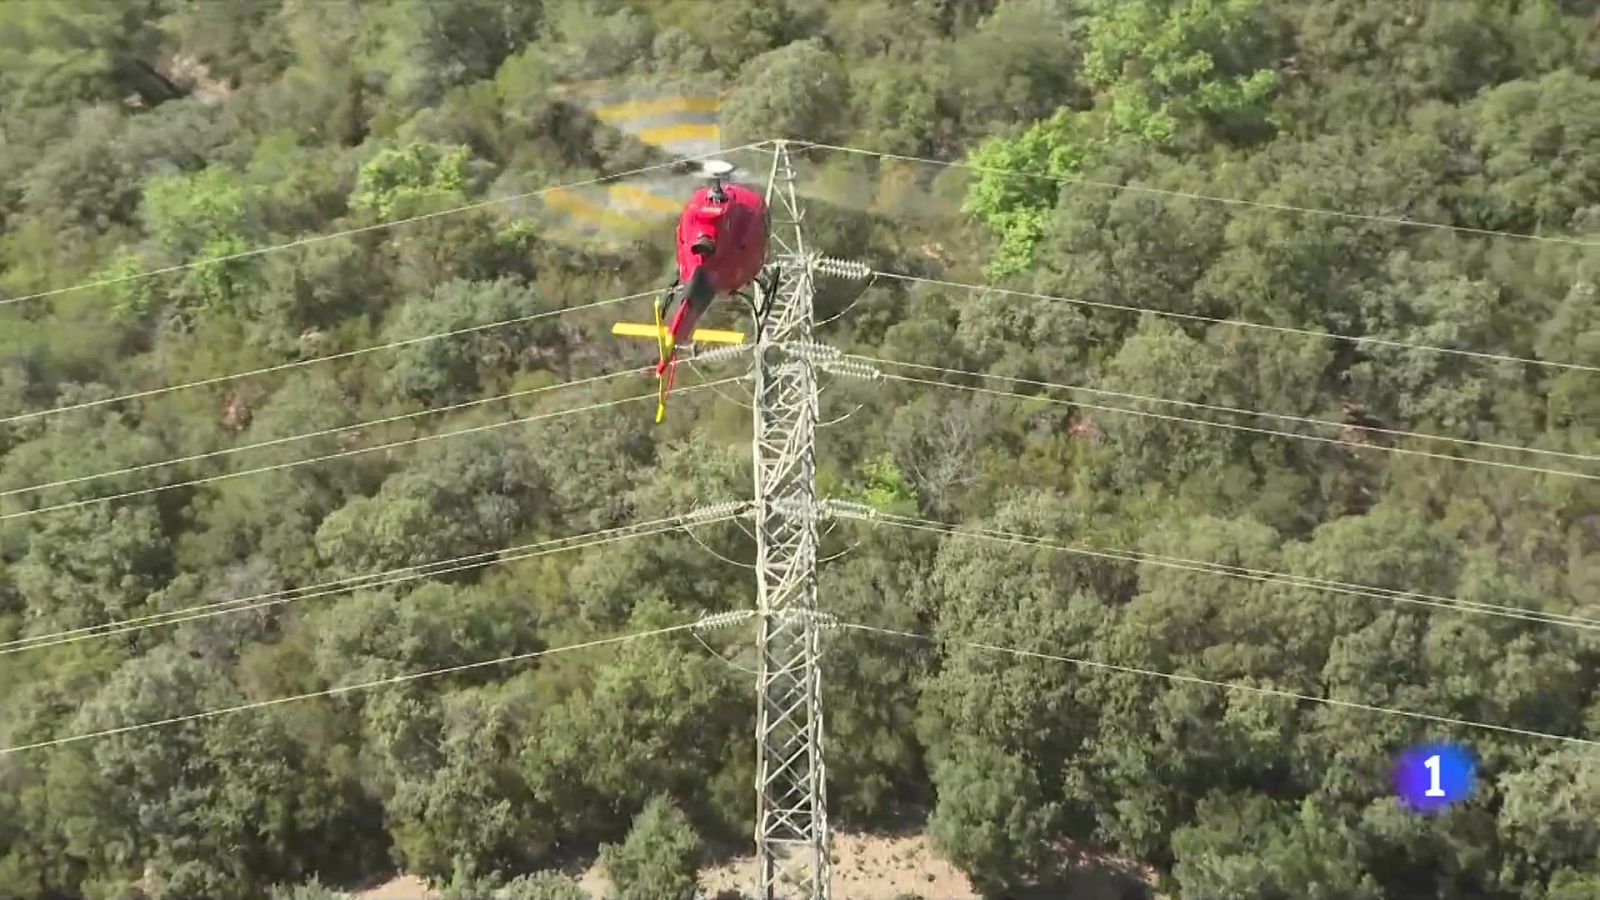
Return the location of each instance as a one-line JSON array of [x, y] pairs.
[[722, 242], [722, 247]]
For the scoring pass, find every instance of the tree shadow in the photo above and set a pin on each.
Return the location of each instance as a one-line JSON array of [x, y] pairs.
[[1095, 885], [1084, 873]]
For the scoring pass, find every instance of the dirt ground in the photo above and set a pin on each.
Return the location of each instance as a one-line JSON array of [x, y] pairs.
[[865, 867], [406, 887]]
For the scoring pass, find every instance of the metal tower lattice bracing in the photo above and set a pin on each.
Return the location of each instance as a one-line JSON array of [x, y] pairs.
[[791, 808]]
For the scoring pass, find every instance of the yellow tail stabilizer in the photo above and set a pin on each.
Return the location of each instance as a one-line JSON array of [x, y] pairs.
[[706, 335], [664, 343]]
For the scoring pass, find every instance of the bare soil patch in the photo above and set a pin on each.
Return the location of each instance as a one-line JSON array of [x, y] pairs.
[[865, 867]]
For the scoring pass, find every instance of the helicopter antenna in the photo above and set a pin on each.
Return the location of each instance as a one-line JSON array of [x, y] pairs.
[[717, 170]]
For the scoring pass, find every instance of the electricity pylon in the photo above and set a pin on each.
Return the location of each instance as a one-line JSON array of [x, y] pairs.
[[791, 804]]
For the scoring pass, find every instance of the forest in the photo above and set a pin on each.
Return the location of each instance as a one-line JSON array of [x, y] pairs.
[[1240, 390]]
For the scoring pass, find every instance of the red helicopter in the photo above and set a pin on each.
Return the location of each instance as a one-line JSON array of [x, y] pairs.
[[721, 249]]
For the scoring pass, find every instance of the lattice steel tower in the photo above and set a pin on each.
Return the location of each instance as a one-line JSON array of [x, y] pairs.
[[791, 807]]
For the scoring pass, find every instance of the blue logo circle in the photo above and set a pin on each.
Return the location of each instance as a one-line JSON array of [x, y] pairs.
[[1430, 777]]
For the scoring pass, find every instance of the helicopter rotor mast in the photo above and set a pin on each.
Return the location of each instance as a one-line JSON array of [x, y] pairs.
[[718, 171]]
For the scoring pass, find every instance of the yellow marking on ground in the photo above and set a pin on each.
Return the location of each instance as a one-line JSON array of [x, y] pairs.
[[631, 195], [672, 134], [586, 210], [630, 110]]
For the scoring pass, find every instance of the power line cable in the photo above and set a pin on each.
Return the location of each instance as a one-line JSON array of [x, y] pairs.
[[354, 452], [1234, 686], [713, 552], [326, 432], [345, 689], [377, 226], [1209, 198], [1245, 573], [365, 582], [1354, 445], [301, 363], [1213, 407], [1214, 320]]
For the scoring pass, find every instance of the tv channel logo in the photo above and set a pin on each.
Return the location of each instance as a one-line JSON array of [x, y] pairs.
[[1430, 777]]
